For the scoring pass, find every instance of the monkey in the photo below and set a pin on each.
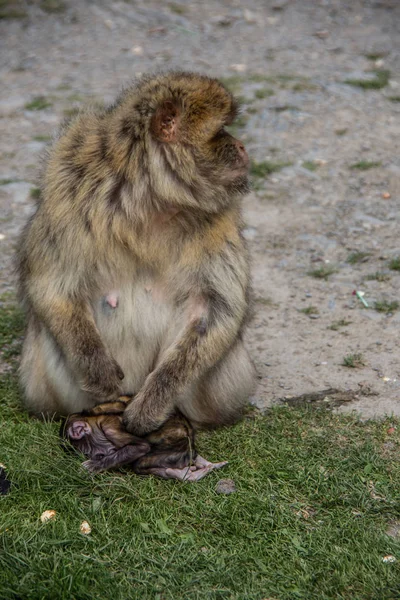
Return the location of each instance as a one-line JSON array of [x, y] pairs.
[[169, 452], [133, 271]]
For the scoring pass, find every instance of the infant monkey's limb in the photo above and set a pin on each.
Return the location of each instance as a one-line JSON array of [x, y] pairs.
[[168, 452]]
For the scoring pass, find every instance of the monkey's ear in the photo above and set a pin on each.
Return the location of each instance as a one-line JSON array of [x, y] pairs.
[[165, 122], [78, 430]]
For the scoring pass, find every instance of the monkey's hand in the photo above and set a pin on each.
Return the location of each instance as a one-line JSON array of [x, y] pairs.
[[102, 377], [143, 415]]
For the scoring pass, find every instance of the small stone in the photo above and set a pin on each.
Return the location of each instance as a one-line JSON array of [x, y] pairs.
[[393, 530], [137, 50], [239, 68], [225, 486], [48, 515], [389, 558], [322, 35], [249, 16], [386, 195], [85, 528], [249, 233], [221, 20]]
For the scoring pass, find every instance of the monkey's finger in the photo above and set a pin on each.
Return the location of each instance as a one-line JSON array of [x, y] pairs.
[[202, 462], [91, 466], [190, 474]]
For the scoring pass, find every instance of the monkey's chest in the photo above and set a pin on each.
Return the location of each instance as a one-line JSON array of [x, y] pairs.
[[141, 312], [136, 322]]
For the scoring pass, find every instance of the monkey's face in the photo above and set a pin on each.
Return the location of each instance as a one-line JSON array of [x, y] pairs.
[[192, 125], [228, 157], [86, 435]]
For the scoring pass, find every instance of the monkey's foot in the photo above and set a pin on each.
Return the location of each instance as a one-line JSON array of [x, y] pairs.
[[195, 472]]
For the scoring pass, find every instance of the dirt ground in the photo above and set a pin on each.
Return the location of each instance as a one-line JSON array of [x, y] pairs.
[[332, 202]]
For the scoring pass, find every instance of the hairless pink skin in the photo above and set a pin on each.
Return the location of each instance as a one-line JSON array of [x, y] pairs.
[[112, 299], [200, 469]]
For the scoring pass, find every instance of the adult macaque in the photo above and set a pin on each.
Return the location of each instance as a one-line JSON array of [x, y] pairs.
[[168, 452], [133, 271]]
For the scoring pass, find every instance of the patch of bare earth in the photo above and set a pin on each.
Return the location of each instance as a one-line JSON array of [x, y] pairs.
[[337, 196]]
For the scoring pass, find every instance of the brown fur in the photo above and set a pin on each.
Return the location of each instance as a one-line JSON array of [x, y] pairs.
[[141, 200], [107, 444]]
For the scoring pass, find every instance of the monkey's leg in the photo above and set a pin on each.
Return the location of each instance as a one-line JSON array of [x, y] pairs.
[[153, 464], [221, 395], [40, 395], [195, 472], [49, 387], [173, 454], [70, 322]]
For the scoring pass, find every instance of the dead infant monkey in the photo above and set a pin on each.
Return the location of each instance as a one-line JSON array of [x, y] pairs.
[[133, 271], [168, 452]]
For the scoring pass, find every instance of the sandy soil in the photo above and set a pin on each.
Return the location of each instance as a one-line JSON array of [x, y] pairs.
[[288, 61]]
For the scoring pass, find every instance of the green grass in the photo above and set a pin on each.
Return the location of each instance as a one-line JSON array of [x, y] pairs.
[[35, 193], [357, 256], [316, 492], [38, 103], [178, 9], [375, 55], [379, 81], [378, 276], [304, 86], [322, 272], [336, 325], [394, 98], [233, 83], [353, 361], [364, 165], [11, 328], [341, 132], [310, 165], [386, 306], [12, 9], [53, 6], [7, 181], [42, 138], [263, 93], [284, 107], [71, 112], [394, 263], [309, 310], [266, 167]]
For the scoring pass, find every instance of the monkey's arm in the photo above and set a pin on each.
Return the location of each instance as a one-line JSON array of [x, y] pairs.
[[220, 307], [70, 321], [122, 456]]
